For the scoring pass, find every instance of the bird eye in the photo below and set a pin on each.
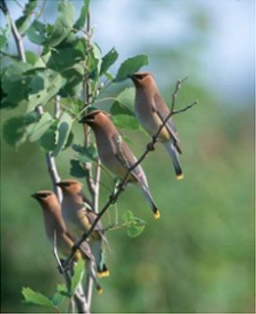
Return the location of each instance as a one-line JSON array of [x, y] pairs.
[[140, 76], [44, 195]]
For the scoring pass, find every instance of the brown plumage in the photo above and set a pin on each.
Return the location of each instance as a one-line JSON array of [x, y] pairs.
[[79, 217], [115, 154], [151, 111], [56, 229]]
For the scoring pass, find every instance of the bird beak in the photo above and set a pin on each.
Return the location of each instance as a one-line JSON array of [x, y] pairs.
[[133, 77], [58, 184], [34, 195], [86, 120]]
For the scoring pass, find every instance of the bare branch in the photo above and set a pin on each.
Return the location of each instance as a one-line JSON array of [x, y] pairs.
[[6, 54], [42, 9], [50, 161], [89, 286], [92, 186], [175, 93], [97, 187], [17, 2], [16, 35], [57, 108]]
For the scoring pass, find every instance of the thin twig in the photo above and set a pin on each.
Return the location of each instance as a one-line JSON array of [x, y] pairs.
[[17, 2], [6, 54], [89, 286], [41, 10], [97, 186], [174, 95], [92, 186], [115, 226], [57, 109], [15, 32], [122, 185], [50, 160]]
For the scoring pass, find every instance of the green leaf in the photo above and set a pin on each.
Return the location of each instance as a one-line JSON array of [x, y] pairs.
[[94, 62], [109, 76], [63, 25], [13, 79], [64, 128], [82, 45], [74, 85], [130, 66], [86, 153], [126, 122], [124, 103], [135, 229], [32, 86], [77, 170], [29, 9], [35, 60], [43, 85], [69, 42], [15, 129], [79, 24], [36, 130], [79, 269], [59, 295], [3, 39], [37, 33], [64, 58], [127, 216], [134, 225], [67, 61], [69, 140], [48, 141], [108, 60], [37, 298]]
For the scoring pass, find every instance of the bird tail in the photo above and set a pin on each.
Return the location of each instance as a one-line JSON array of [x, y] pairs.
[[172, 150], [99, 254], [149, 198]]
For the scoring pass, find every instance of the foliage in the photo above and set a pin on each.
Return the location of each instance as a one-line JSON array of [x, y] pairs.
[[199, 257], [61, 293], [67, 59], [60, 71]]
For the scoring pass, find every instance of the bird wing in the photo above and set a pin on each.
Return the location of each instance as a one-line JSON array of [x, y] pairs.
[[162, 111], [84, 247], [99, 227], [125, 156], [85, 199]]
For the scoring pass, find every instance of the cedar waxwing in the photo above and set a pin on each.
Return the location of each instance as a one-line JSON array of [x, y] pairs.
[[79, 217], [151, 110], [56, 227], [115, 154]]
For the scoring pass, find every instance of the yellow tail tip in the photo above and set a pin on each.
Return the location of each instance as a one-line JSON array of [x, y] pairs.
[[100, 291], [180, 177], [104, 273], [157, 214]]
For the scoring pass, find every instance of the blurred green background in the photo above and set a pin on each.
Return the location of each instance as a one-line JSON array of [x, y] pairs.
[[199, 257]]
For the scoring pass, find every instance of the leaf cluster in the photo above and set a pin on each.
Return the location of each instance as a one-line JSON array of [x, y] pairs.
[[55, 78], [56, 301], [68, 59]]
